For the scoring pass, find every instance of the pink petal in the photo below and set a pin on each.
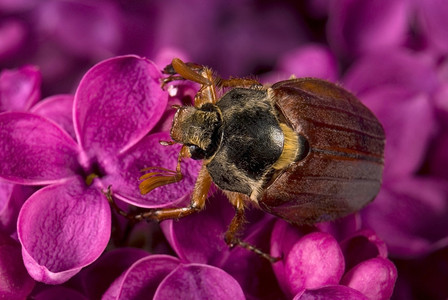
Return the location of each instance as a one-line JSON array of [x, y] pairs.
[[283, 237], [59, 292], [410, 216], [117, 102], [63, 228], [402, 114], [414, 72], [19, 89], [357, 27], [194, 243], [124, 178], [312, 60], [335, 292], [375, 278], [98, 278], [314, 261], [364, 244], [143, 277], [58, 108], [89, 29], [13, 34], [17, 5], [195, 281], [34, 150], [433, 16], [12, 197], [15, 283]]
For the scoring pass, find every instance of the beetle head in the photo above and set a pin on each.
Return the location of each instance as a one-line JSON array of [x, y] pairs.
[[197, 128]]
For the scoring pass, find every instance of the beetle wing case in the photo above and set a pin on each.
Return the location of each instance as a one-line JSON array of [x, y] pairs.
[[342, 170]]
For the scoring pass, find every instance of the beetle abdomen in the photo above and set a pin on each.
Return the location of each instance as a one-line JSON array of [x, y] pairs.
[[342, 171]]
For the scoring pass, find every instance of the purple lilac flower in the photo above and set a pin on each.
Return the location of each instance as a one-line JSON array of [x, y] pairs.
[[314, 260], [116, 104], [356, 28], [15, 282], [19, 89], [408, 81]]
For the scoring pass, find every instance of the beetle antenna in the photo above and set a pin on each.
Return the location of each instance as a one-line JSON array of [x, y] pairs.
[[162, 176]]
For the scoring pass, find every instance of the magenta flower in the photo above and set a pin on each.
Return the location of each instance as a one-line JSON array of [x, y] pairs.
[[407, 81], [15, 283], [66, 225], [166, 277], [315, 260], [19, 89], [356, 28]]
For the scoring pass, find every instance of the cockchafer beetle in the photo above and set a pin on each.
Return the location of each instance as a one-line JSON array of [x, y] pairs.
[[303, 149]]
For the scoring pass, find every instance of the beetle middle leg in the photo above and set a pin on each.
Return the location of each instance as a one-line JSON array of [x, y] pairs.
[[231, 236]]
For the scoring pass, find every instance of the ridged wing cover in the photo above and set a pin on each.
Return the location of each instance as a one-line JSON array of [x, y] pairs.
[[343, 169]]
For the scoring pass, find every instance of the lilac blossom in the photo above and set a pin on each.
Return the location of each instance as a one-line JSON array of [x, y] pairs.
[[15, 282], [315, 259], [19, 89], [72, 206]]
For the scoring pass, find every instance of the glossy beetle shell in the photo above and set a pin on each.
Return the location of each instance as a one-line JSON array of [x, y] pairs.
[[342, 171]]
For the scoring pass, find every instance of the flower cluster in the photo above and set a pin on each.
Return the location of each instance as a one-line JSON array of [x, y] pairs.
[[78, 116]]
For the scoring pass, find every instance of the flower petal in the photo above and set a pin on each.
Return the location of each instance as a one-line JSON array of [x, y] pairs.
[[335, 292], [59, 292], [98, 278], [410, 215], [63, 228], [375, 278], [117, 102], [195, 281], [362, 245], [199, 238], [312, 60], [34, 150], [396, 68], [433, 16], [314, 261], [12, 196], [15, 283], [402, 114], [124, 177], [143, 277], [195, 243], [13, 33], [19, 89], [284, 236], [356, 27], [58, 108], [90, 29]]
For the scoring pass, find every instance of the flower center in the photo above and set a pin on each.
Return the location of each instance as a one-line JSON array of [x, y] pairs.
[[90, 177]]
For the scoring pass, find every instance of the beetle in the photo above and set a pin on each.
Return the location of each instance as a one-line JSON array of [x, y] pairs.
[[303, 149]]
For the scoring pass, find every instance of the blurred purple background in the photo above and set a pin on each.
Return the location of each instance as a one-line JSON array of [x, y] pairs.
[[392, 54]]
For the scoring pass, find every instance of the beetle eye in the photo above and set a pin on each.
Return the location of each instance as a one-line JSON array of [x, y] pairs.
[[196, 152]]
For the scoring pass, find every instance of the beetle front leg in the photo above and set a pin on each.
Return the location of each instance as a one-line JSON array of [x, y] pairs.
[[197, 203], [239, 82], [231, 236]]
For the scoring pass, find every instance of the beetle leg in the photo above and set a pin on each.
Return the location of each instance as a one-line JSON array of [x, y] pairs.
[[239, 82], [196, 73], [197, 203], [231, 236], [169, 69]]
